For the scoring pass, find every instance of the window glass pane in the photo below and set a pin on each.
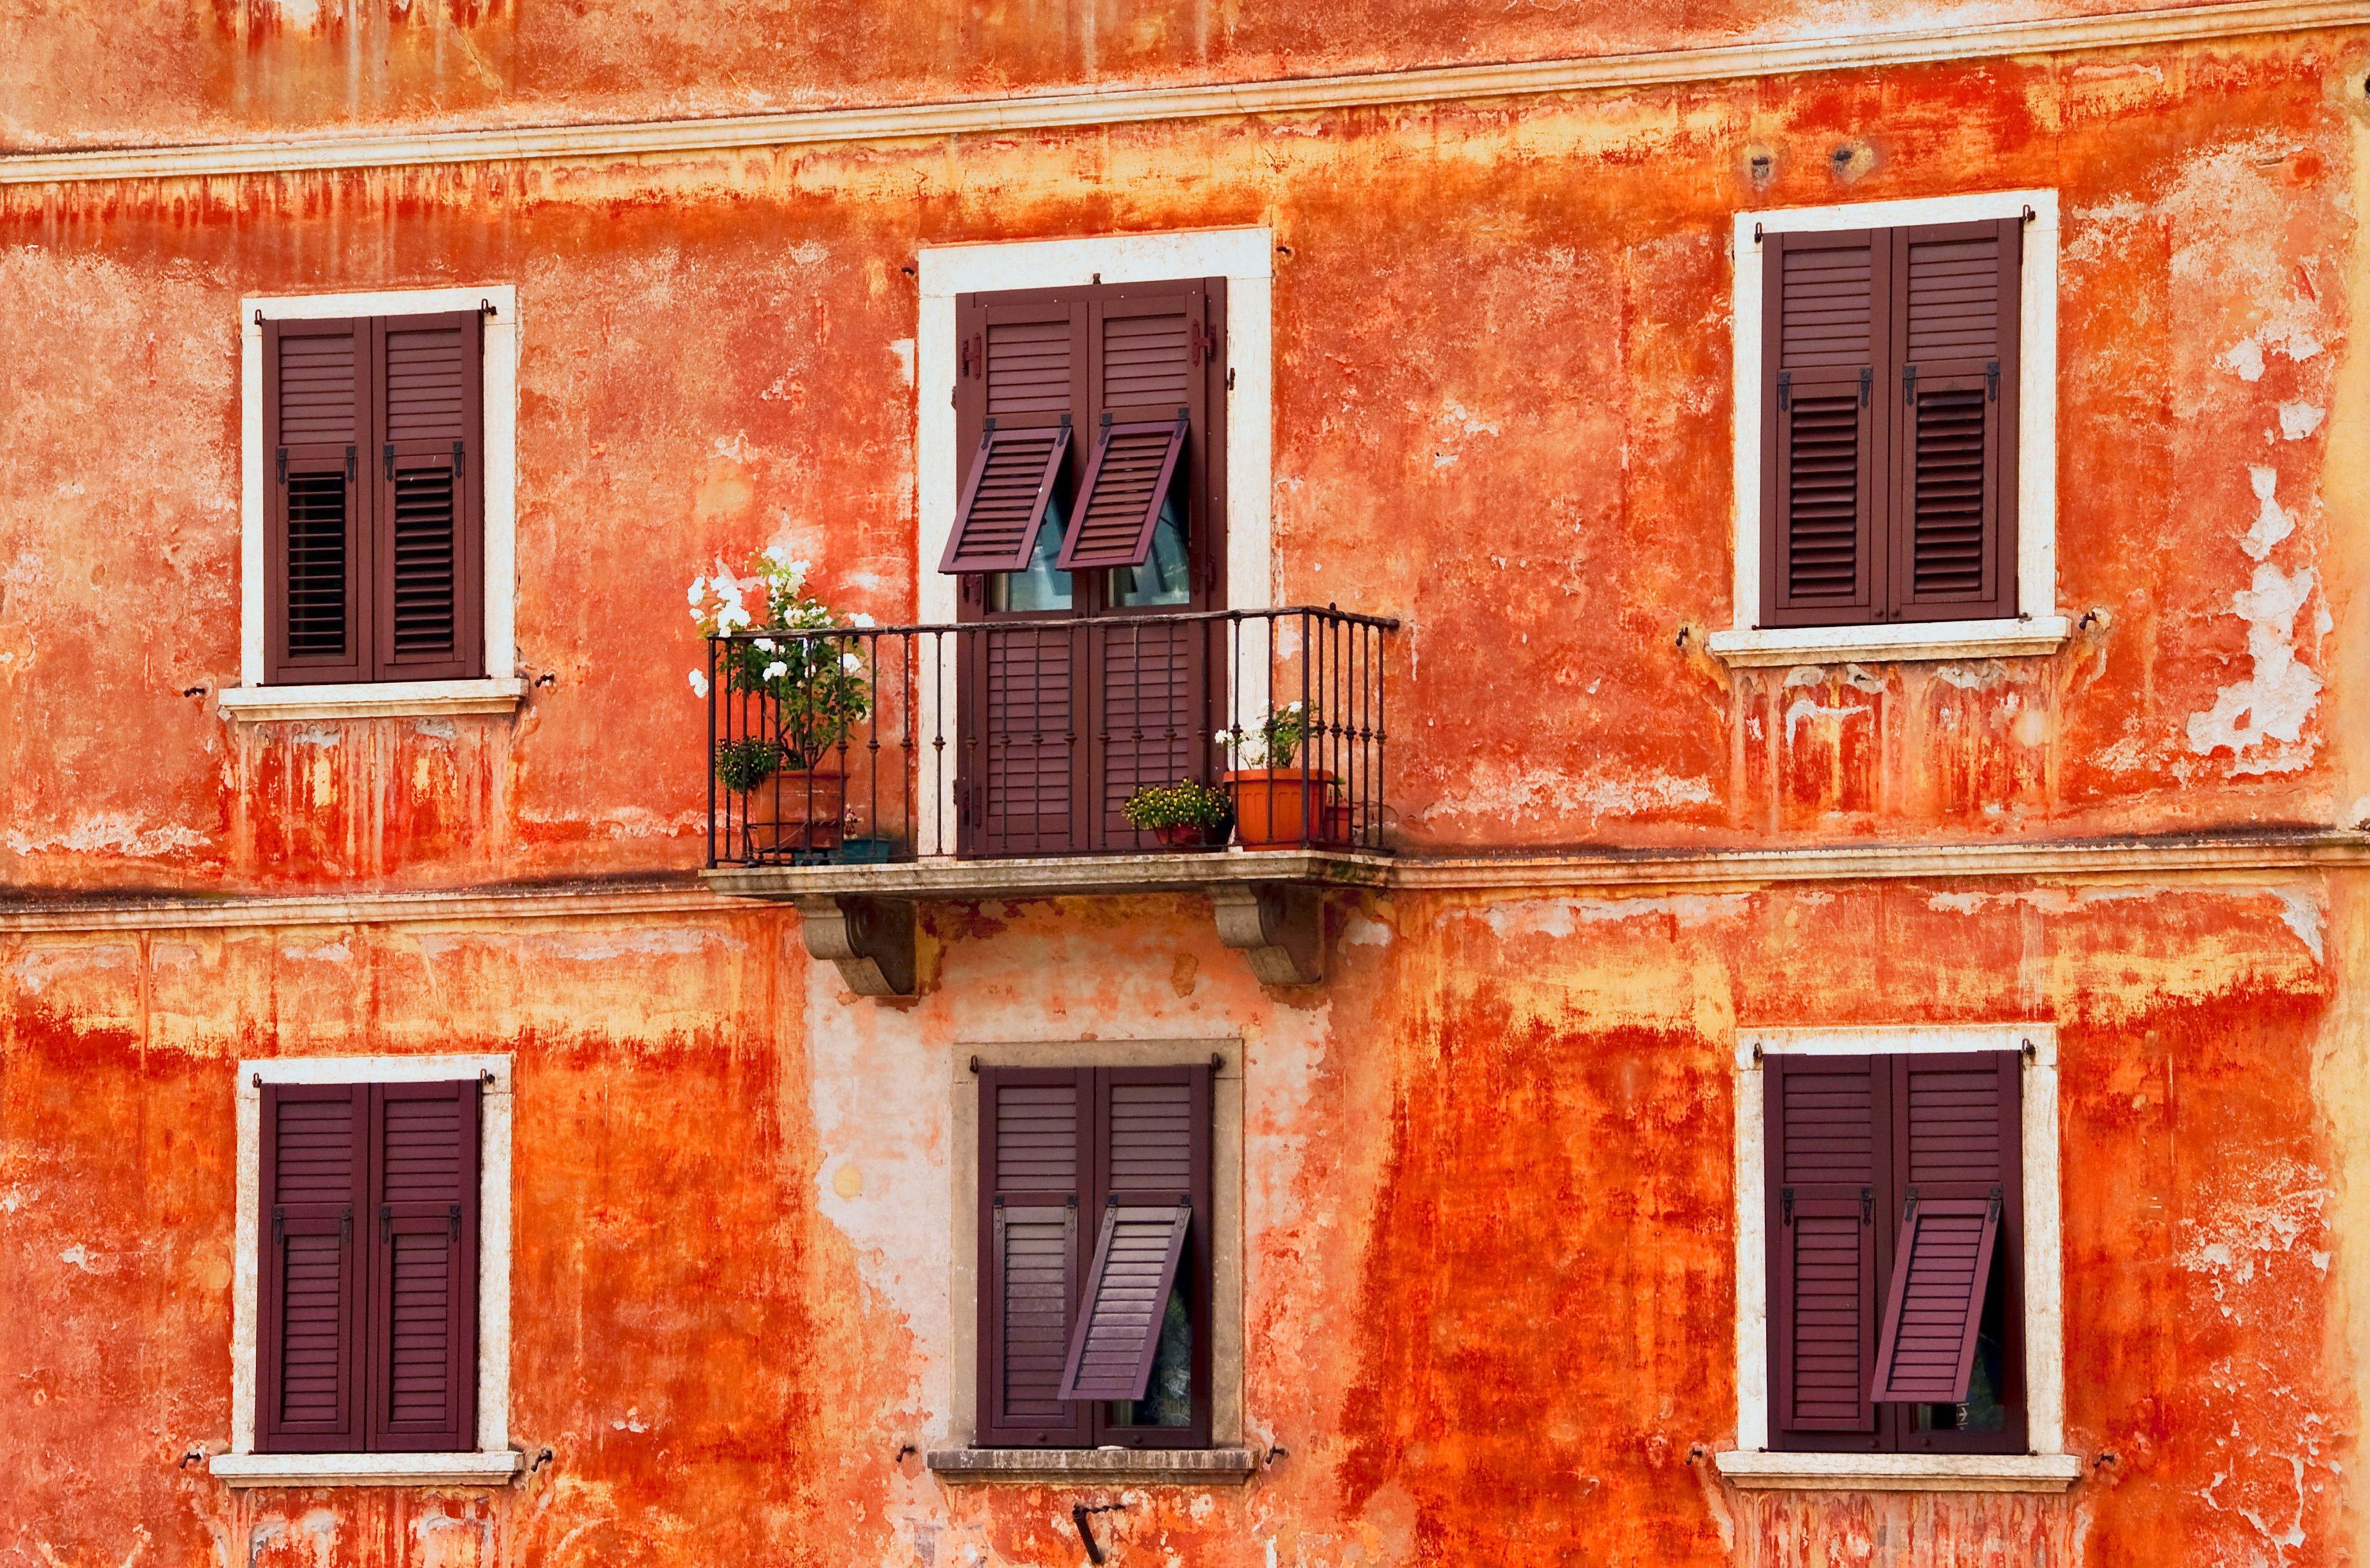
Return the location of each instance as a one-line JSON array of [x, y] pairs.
[[1041, 587], [1169, 1397], [1166, 575], [1982, 1411]]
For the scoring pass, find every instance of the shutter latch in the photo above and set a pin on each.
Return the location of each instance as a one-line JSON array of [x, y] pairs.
[[1996, 1206], [390, 461], [1909, 1208], [1785, 390], [1867, 1205], [386, 1222], [1909, 384], [349, 462], [453, 1215], [1991, 382], [1786, 1206], [1867, 382], [279, 1225], [283, 462], [460, 459]]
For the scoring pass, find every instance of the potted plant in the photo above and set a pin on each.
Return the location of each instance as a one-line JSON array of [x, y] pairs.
[[1183, 815], [1277, 806], [803, 696]]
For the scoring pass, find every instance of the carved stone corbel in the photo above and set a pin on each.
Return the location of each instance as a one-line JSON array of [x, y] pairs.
[[1281, 925], [871, 941]]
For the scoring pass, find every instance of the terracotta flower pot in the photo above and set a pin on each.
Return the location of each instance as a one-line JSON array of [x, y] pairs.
[[803, 808], [1186, 835], [1275, 806]]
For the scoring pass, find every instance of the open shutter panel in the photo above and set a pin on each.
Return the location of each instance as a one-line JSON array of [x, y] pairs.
[[1119, 503], [429, 476], [1956, 306], [1012, 479], [1823, 1116], [1126, 1297], [1822, 452], [422, 1384], [318, 414], [308, 1350], [1958, 1144], [1035, 1150]]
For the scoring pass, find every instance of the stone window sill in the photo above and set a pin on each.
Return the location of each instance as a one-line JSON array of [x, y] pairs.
[[377, 699], [1757, 1470], [1891, 644], [1132, 1467], [366, 1469]]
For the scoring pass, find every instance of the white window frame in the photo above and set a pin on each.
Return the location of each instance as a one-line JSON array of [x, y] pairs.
[[2037, 628], [493, 1462], [499, 689], [1245, 258], [2046, 1466]]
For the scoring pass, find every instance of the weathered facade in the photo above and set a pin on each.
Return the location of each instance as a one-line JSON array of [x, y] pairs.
[[1492, 1280]]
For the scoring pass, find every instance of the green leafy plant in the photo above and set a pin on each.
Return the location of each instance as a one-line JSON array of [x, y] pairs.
[[1275, 741], [818, 686], [743, 765], [1183, 804]]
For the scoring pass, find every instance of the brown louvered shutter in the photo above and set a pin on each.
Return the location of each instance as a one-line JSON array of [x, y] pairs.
[[313, 1177], [421, 1383], [431, 472], [1825, 1123], [1155, 1177], [1955, 312], [1958, 1151], [1823, 448], [1013, 475], [318, 416], [1159, 382], [1036, 1141]]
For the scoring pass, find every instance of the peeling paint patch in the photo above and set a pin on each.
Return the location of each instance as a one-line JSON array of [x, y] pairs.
[[2272, 521], [1561, 917], [2300, 420], [109, 831], [2301, 913], [2273, 704]]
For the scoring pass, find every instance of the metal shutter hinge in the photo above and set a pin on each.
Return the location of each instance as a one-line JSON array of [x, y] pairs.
[[1995, 1205], [390, 460], [1909, 384], [460, 460], [385, 1222], [1204, 342], [279, 1225], [453, 1216], [1867, 1205], [1909, 1206], [1866, 384], [999, 1200], [1991, 382], [350, 463], [1786, 1206], [346, 1227], [1230, 378], [1785, 390], [284, 464]]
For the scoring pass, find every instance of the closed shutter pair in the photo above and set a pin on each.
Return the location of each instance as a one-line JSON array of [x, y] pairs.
[[1889, 424], [374, 451], [368, 1306], [1893, 1186], [1094, 1202]]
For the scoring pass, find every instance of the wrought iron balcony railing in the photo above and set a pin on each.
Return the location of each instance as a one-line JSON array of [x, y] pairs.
[[1030, 736]]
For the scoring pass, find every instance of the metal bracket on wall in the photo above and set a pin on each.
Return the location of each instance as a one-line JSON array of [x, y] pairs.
[[871, 941], [1279, 924]]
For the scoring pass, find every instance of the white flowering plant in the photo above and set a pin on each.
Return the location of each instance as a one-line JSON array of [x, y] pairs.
[[1275, 741], [819, 686]]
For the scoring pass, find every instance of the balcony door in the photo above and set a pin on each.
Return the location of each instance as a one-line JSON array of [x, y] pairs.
[[1089, 531]]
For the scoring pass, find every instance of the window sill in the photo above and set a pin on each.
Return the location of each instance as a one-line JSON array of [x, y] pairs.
[[1132, 1467], [366, 1469], [1759, 1471], [381, 699], [1928, 640]]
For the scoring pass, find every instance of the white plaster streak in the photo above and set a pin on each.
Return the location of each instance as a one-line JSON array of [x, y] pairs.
[[2272, 523], [2273, 704], [2301, 914], [1803, 708], [106, 831], [2300, 420], [1561, 917]]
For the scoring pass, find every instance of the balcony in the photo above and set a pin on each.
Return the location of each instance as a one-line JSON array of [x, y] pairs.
[[860, 771]]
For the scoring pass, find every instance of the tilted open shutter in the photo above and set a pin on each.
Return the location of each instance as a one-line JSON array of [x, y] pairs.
[[1958, 1144], [1126, 1297], [318, 414], [1036, 1152], [1956, 294], [314, 1176], [1824, 340], [1825, 1116], [1127, 479], [1012, 479], [430, 475], [423, 1352]]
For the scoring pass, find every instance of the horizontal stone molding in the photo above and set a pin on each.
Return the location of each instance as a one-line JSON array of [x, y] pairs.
[[975, 881], [1070, 109], [367, 1470], [380, 699], [1757, 1471], [1894, 643], [1118, 1466]]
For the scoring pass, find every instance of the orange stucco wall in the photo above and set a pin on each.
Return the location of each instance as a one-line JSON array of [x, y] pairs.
[[1490, 1279]]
